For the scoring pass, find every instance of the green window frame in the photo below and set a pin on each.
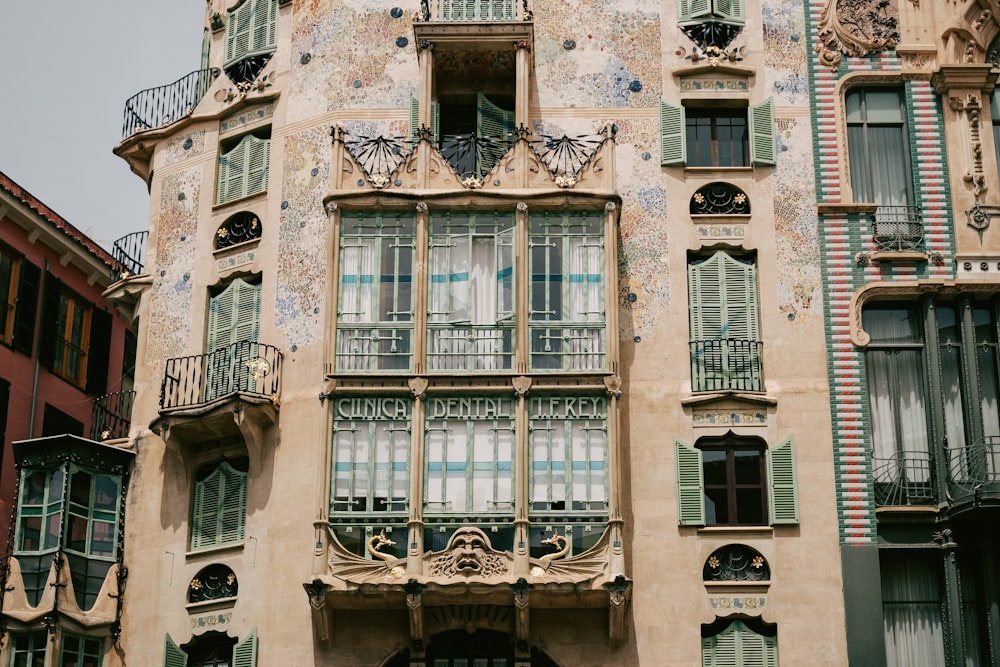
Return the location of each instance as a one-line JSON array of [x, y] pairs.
[[219, 507], [375, 306], [28, 650], [476, 10], [718, 136], [80, 651], [567, 324], [251, 30], [231, 338], [739, 646], [471, 313], [243, 169], [726, 347], [40, 508], [371, 456], [782, 485], [469, 457], [568, 450]]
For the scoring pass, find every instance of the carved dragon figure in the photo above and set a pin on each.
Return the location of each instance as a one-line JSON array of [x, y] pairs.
[[556, 540], [379, 541]]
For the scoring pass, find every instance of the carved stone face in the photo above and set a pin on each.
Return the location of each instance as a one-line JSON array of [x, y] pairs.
[[468, 547]]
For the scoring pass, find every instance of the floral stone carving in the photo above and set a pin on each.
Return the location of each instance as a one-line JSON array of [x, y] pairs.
[[856, 28]]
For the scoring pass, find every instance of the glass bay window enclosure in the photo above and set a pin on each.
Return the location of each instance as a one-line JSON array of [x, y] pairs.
[[472, 315], [951, 340], [469, 449]]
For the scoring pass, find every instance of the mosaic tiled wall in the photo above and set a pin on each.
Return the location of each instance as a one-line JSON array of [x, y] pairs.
[[845, 235], [176, 241], [303, 238]]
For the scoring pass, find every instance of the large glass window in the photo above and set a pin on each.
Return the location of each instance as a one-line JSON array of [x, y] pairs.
[[371, 450], [78, 651], [877, 146], [717, 136], [28, 650], [470, 319], [567, 291], [469, 456], [735, 488], [911, 609], [375, 310]]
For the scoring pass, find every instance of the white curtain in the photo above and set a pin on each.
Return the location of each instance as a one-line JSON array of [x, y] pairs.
[[911, 608], [358, 285], [585, 302]]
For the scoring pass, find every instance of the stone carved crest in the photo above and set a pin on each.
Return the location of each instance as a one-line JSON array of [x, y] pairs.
[[469, 553], [856, 28]]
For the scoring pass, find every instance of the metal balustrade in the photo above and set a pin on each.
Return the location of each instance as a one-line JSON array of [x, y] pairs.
[[905, 478], [473, 156], [727, 364], [112, 415], [975, 468], [467, 347], [246, 367], [471, 10], [898, 229], [129, 253], [573, 347], [161, 106]]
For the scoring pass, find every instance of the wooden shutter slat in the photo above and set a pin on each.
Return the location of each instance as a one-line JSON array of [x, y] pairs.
[[245, 652], [782, 484], [26, 307], [762, 136], [414, 118], [673, 150], [690, 485], [173, 656]]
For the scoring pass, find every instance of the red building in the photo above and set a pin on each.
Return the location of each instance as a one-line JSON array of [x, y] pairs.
[[66, 358]]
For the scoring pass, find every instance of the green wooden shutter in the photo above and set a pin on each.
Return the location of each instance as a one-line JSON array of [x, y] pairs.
[[435, 122], [232, 504], [173, 656], [762, 138], [495, 125], [233, 315], [729, 10], [265, 26], [690, 485], [673, 150], [245, 652], [239, 26], [205, 518], [232, 173], [414, 118], [26, 307], [784, 498], [690, 10], [739, 294], [258, 157]]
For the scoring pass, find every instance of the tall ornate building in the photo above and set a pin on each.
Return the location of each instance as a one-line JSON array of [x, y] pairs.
[[903, 98], [478, 332]]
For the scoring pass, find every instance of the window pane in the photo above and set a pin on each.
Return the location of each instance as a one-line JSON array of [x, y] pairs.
[[883, 106], [748, 469], [716, 506], [714, 461], [892, 325], [749, 507], [911, 608]]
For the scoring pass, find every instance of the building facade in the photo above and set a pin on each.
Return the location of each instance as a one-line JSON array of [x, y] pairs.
[[66, 358], [481, 331], [907, 175]]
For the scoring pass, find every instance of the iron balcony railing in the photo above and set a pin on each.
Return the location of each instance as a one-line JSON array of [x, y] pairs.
[[473, 156], [905, 478], [112, 415], [129, 253], [246, 367], [157, 107], [455, 347], [472, 10], [974, 470], [374, 348], [727, 364], [573, 347], [898, 229]]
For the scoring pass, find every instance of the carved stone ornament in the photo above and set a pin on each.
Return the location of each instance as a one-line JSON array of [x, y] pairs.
[[316, 590], [522, 384], [469, 553], [856, 28], [418, 388]]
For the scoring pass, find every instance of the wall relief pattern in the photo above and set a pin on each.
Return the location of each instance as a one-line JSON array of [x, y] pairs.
[[856, 28]]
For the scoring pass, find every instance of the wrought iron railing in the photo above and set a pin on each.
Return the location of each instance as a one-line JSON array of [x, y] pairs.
[[975, 469], [157, 107], [112, 415], [246, 367], [472, 156], [573, 347], [898, 229], [471, 10], [727, 364], [467, 347], [373, 348], [129, 253], [905, 478]]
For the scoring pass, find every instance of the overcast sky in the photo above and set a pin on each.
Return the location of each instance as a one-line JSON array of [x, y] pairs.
[[68, 68]]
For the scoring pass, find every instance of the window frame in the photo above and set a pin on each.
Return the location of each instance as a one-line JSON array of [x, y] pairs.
[[864, 125], [84, 651], [761, 141], [732, 487], [37, 643]]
